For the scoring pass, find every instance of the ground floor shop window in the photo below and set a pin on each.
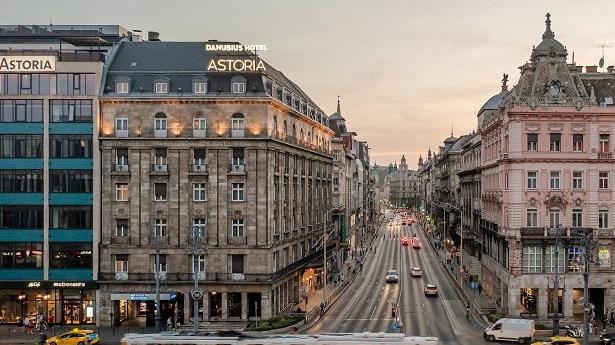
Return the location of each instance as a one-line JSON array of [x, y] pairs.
[[553, 300], [234, 304], [215, 304], [529, 301], [58, 306], [577, 304], [254, 304]]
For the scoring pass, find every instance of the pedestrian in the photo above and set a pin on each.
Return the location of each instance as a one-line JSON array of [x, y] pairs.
[[612, 318], [322, 308], [26, 323], [169, 323], [480, 288]]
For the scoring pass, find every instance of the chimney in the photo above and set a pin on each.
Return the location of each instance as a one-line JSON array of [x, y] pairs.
[[591, 69], [153, 36]]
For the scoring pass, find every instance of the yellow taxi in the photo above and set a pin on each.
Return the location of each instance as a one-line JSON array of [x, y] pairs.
[[75, 336], [558, 340]]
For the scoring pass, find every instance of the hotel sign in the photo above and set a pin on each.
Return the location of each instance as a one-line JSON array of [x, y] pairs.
[[233, 47], [27, 63], [236, 65]]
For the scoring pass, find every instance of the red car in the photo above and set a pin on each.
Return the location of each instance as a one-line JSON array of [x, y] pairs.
[[416, 244], [405, 241]]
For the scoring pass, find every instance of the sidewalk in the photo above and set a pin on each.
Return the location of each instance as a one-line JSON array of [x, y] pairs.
[[14, 335]]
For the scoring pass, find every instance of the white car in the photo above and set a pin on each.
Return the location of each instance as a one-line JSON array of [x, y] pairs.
[[431, 290], [392, 276], [416, 272]]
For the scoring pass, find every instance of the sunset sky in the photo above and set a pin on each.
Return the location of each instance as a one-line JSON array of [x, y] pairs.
[[405, 70]]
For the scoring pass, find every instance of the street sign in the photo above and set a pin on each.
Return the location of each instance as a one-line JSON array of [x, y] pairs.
[[393, 327], [474, 285], [196, 293]]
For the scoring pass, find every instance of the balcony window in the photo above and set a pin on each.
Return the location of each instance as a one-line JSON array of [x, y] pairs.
[[199, 159], [199, 192], [237, 228], [121, 192], [238, 126], [577, 218], [121, 159], [121, 263], [121, 127], [238, 191], [532, 142], [160, 159], [554, 180], [603, 219], [237, 263], [555, 140], [162, 263], [604, 143], [122, 228], [237, 164], [532, 217], [532, 259], [199, 126], [160, 227], [577, 142], [198, 261], [201, 224], [160, 191], [160, 125], [577, 180], [554, 217], [603, 180]]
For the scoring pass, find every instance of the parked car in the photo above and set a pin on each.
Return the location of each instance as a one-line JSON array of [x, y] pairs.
[[430, 290], [416, 272], [519, 330], [392, 276], [607, 339]]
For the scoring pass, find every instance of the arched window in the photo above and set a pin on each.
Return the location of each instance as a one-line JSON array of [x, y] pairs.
[[199, 85], [199, 126], [285, 129], [160, 125], [238, 84], [238, 125], [294, 134], [275, 125], [121, 126], [301, 135], [554, 217]]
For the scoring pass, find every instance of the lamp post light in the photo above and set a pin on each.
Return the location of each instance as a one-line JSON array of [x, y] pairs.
[[461, 233], [325, 235], [157, 317], [556, 317], [198, 247]]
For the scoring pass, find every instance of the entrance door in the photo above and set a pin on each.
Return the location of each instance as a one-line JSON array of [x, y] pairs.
[[71, 313], [215, 305]]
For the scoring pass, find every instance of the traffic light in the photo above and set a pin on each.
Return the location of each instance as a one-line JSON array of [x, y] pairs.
[[393, 312]]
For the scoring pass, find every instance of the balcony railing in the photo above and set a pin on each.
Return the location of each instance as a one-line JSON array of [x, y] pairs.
[[121, 133], [160, 133], [121, 168], [199, 132], [199, 168], [237, 168], [547, 232], [161, 168], [605, 155], [238, 133]]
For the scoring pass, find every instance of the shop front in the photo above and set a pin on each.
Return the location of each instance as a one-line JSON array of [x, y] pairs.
[[135, 306], [66, 303], [529, 302]]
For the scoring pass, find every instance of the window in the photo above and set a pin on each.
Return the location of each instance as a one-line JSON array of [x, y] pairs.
[[21, 146], [21, 255], [237, 126], [162, 263], [554, 180], [160, 227], [201, 224], [604, 257], [21, 217], [577, 142], [70, 255], [577, 180], [238, 191], [238, 85], [121, 263], [122, 228], [121, 127], [71, 110], [160, 125], [12, 110], [575, 257], [21, 181], [238, 159], [70, 146], [604, 143], [161, 87], [199, 260], [121, 86], [532, 259], [554, 217], [551, 261], [160, 156], [70, 217], [24, 84], [237, 263], [603, 180], [603, 219], [555, 140], [532, 179], [237, 230], [70, 181], [577, 218], [199, 123], [532, 217], [160, 191], [76, 84], [532, 142], [121, 158], [121, 192], [199, 85], [199, 192], [199, 157]]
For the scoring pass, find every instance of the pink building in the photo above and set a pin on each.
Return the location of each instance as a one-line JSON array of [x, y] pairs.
[[548, 162]]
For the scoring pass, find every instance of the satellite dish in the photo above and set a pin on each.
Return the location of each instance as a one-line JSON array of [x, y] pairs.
[[601, 63]]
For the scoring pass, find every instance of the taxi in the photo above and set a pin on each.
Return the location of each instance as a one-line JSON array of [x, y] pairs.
[[75, 336], [558, 340]]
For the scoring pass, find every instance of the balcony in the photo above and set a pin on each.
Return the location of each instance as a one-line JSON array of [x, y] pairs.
[[160, 133], [237, 168], [605, 155], [199, 133], [199, 168], [238, 133], [159, 168], [121, 133], [121, 275], [123, 168]]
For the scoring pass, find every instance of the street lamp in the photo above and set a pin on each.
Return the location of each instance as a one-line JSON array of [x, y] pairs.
[[22, 297], [556, 281], [157, 317], [461, 244], [197, 248], [324, 250]]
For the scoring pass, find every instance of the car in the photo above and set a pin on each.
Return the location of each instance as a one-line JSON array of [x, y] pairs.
[[392, 276], [405, 241], [607, 339], [557, 340], [430, 290], [416, 272], [75, 336], [416, 244], [403, 223]]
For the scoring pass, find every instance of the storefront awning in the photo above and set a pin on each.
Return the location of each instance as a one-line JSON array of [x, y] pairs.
[[166, 296]]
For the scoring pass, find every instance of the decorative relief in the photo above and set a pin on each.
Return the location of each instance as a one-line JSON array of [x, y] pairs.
[[532, 127], [198, 211], [604, 204], [556, 200], [578, 203], [578, 103], [532, 102], [555, 127], [578, 127], [532, 202]]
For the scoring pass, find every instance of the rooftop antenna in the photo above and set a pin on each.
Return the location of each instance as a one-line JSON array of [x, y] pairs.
[[603, 45]]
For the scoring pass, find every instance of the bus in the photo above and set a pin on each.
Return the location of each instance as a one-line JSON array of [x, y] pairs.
[[235, 338]]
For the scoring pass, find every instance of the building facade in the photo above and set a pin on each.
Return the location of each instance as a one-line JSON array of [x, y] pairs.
[[49, 167], [243, 156], [403, 186]]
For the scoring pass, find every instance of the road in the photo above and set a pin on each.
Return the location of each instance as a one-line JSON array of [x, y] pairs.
[[367, 308]]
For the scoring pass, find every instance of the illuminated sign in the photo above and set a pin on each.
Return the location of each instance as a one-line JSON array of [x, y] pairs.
[[68, 284], [233, 47], [27, 63], [34, 284], [236, 65]]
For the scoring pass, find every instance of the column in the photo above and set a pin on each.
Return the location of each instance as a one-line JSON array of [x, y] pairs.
[[224, 306], [205, 302], [567, 303], [543, 303], [513, 300], [266, 305], [187, 309], [244, 306]]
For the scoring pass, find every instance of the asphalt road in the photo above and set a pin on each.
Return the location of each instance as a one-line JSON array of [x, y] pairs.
[[367, 308]]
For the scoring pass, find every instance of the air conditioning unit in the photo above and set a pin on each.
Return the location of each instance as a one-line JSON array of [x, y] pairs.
[[121, 275]]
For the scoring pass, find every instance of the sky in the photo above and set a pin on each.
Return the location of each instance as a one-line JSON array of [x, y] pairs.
[[406, 70]]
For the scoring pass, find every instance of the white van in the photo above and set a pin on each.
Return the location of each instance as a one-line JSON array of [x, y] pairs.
[[519, 330]]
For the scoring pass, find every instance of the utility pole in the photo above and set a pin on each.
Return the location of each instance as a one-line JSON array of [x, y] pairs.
[[589, 243], [556, 281], [197, 248], [157, 317]]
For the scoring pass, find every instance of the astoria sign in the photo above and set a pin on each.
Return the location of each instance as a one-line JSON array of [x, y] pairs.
[[27, 63], [236, 65]]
